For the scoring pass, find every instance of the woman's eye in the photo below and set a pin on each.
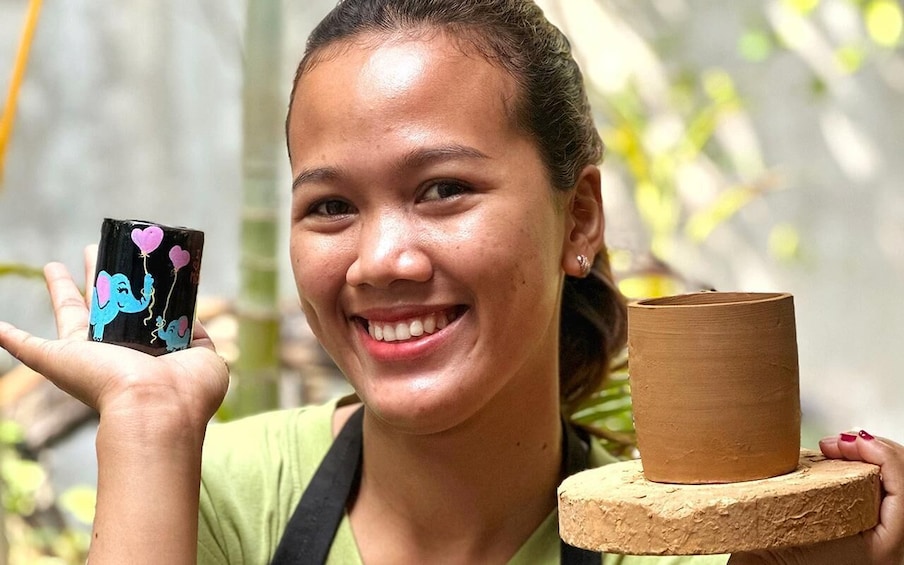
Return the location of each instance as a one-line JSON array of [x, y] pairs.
[[443, 190], [331, 208]]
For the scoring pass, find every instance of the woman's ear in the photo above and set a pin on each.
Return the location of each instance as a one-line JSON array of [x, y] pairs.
[[585, 223]]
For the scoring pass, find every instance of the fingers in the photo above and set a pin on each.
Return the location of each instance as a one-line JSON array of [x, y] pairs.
[[90, 267], [886, 541], [69, 307], [208, 369], [38, 354], [11, 338], [22, 345], [862, 446], [199, 333], [844, 551]]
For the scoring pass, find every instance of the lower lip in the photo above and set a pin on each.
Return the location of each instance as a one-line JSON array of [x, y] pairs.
[[409, 350]]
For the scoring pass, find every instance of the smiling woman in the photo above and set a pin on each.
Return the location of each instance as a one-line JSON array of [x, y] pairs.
[[447, 244]]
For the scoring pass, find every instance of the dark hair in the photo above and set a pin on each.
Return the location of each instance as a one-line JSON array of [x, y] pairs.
[[552, 107]]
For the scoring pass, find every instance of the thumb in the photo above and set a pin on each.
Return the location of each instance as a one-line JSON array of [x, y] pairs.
[[43, 356]]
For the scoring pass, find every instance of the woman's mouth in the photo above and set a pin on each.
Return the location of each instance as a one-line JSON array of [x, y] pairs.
[[411, 328]]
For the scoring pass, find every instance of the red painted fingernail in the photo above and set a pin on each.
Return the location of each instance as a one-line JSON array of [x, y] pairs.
[[848, 437], [865, 435]]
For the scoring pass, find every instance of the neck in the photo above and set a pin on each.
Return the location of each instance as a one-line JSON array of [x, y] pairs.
[[477, 490]]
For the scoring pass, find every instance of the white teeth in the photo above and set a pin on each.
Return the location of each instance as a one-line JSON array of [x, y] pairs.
[[400, 331]]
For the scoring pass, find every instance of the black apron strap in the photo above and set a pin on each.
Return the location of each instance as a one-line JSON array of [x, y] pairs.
[[575, 455], [310, 532], [312, 527]]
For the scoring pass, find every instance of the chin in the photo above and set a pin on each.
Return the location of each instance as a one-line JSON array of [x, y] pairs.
[[421, 410]]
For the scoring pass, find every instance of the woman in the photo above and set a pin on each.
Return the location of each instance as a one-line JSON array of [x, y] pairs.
[[446, 212]]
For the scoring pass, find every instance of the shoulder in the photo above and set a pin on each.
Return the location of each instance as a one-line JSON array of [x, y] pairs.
[[253, 473], [263, 440]]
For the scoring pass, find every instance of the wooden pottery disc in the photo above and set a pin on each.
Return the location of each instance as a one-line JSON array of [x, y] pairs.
[[616, 510]]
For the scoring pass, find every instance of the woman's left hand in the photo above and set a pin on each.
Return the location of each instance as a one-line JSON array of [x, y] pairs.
[[884, 544]]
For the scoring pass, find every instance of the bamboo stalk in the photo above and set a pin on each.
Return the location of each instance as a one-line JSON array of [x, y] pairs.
[[9, 110], [257, 369]]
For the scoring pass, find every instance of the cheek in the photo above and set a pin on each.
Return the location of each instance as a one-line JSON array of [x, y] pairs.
[[319, 273], [523, 245]]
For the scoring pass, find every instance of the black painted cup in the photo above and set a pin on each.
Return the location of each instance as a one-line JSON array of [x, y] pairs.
[[145, 285]]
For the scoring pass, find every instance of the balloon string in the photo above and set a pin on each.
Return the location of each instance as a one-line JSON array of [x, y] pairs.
[[170, 294], [151, 305]]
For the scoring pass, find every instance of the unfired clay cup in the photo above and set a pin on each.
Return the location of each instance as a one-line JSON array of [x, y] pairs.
[[714, 382]]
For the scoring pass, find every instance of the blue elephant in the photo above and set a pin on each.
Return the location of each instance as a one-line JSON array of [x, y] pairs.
[[112, 295], [176, 334]]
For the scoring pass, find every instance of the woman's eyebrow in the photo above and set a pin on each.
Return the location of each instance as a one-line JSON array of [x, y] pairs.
[[316, 174], [417, 158], [424, 156]]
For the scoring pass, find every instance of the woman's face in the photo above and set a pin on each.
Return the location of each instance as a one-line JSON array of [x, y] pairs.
[[426, 239]]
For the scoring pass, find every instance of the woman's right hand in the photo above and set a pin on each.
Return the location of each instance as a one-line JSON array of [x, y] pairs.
[[153, 415], [117, 381]]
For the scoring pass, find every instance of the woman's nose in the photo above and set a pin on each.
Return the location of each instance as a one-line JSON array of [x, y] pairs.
[[390, 249]]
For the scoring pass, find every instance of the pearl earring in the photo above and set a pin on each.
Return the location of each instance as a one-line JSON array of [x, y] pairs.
[[584, 264]]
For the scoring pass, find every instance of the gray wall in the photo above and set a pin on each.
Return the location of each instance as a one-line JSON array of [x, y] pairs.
[[129, 110], [133, 110]]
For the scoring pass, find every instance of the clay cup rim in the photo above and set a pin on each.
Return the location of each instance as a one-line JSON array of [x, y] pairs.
[[709, 298]]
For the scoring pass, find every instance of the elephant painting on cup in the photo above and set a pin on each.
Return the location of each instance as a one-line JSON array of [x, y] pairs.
[[176, 334], [112, 295]]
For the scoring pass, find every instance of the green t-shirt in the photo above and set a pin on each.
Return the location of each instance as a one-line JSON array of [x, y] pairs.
[[255, 470]]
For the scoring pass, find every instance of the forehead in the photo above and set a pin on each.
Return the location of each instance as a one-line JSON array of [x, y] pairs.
[[383, 82]]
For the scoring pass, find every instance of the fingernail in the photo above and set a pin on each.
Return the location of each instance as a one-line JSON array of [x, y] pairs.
[[848, 437], [865, 435]]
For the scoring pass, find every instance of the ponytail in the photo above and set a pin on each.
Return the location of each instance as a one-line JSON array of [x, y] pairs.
[[593, 331]]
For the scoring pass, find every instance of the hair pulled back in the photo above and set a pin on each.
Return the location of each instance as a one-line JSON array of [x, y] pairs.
[[551, 107]]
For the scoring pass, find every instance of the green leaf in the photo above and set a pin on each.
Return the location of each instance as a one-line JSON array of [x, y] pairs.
[[729, 202], [850, 58], [802, 7], [20, 480], [11, 432], [755, 45], [884, 22], [719, 85], [21, 475], [784, 242], [647, 286], [80, 501], [21, 270], [818, 87]]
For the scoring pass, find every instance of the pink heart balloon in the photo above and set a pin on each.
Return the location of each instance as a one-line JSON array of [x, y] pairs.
[[147, 239], [179, 257], [102, 288]]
